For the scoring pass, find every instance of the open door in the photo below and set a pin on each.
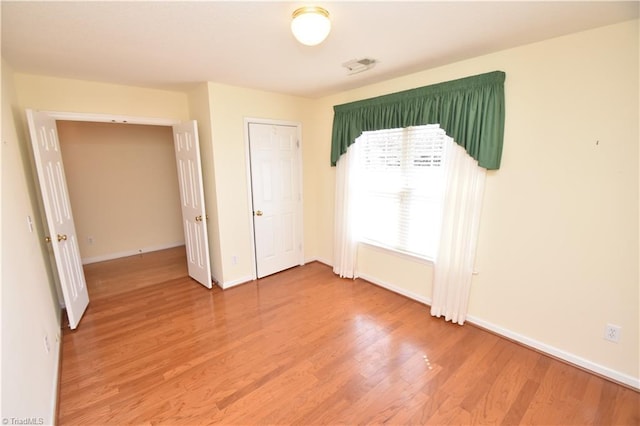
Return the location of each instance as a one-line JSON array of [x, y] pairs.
[[53, 186], [194, 217]]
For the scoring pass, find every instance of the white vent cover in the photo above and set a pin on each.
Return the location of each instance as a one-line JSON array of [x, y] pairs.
[[356, 66]]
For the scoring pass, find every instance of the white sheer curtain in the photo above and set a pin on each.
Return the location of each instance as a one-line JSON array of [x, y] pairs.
[[459, 234], [345, 239]]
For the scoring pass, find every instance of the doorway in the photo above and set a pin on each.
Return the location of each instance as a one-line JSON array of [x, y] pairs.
[[57, 207]]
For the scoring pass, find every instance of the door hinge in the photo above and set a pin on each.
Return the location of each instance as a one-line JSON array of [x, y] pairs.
[[297, 144]]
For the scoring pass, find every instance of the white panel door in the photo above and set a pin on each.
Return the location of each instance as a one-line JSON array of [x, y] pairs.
[[277, 203], [194, 217], [53, 186]]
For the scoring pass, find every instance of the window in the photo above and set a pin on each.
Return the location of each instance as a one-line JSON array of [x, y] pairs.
[[400, 188]]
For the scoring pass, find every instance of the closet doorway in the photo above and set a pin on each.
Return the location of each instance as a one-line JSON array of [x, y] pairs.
[[57, 206]]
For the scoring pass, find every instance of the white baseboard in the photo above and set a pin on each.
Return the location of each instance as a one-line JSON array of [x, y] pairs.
[[396, 289], [318, 259], [524, 340], [228, 284], [111, 256], [558, 353]]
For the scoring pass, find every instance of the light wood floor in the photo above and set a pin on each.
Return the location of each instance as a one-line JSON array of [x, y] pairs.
[[303, 347]]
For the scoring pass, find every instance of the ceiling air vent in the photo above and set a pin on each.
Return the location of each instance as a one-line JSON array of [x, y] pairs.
[[356, 66]]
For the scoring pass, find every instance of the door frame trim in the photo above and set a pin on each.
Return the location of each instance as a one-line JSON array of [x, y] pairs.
[[110, 118], [300, 212]]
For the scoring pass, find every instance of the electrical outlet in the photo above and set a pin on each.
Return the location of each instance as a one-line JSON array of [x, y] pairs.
[[234, 260], [47, 347], [90, 240], [612, 333]]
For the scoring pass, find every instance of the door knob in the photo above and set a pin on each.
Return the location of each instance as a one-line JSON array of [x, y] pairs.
[[259, 213], [62, 237], [198, 218]]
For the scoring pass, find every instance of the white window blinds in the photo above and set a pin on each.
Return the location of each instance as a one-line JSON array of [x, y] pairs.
[[401, 188]]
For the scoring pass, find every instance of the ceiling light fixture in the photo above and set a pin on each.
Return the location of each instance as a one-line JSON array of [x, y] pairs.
[[310, 25]]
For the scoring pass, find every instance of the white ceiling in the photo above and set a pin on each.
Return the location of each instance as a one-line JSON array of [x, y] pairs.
[[172, 44]]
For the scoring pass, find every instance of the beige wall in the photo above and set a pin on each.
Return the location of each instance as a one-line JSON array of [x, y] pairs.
[[558, 247], [60, 94], [229, 107], [30, 310], [199, 110], [123, 187]]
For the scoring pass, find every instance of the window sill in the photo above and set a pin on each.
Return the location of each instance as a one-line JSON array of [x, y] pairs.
[[398, 253]]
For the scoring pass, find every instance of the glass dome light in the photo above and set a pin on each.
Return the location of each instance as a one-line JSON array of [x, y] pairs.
[[310, 25]]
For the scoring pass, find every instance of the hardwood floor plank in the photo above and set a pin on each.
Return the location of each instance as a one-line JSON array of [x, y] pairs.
[[627, 407], [522, 401], [502, 390], [302, 347]]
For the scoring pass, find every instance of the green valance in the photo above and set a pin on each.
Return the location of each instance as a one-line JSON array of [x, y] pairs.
[[470, 110]]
